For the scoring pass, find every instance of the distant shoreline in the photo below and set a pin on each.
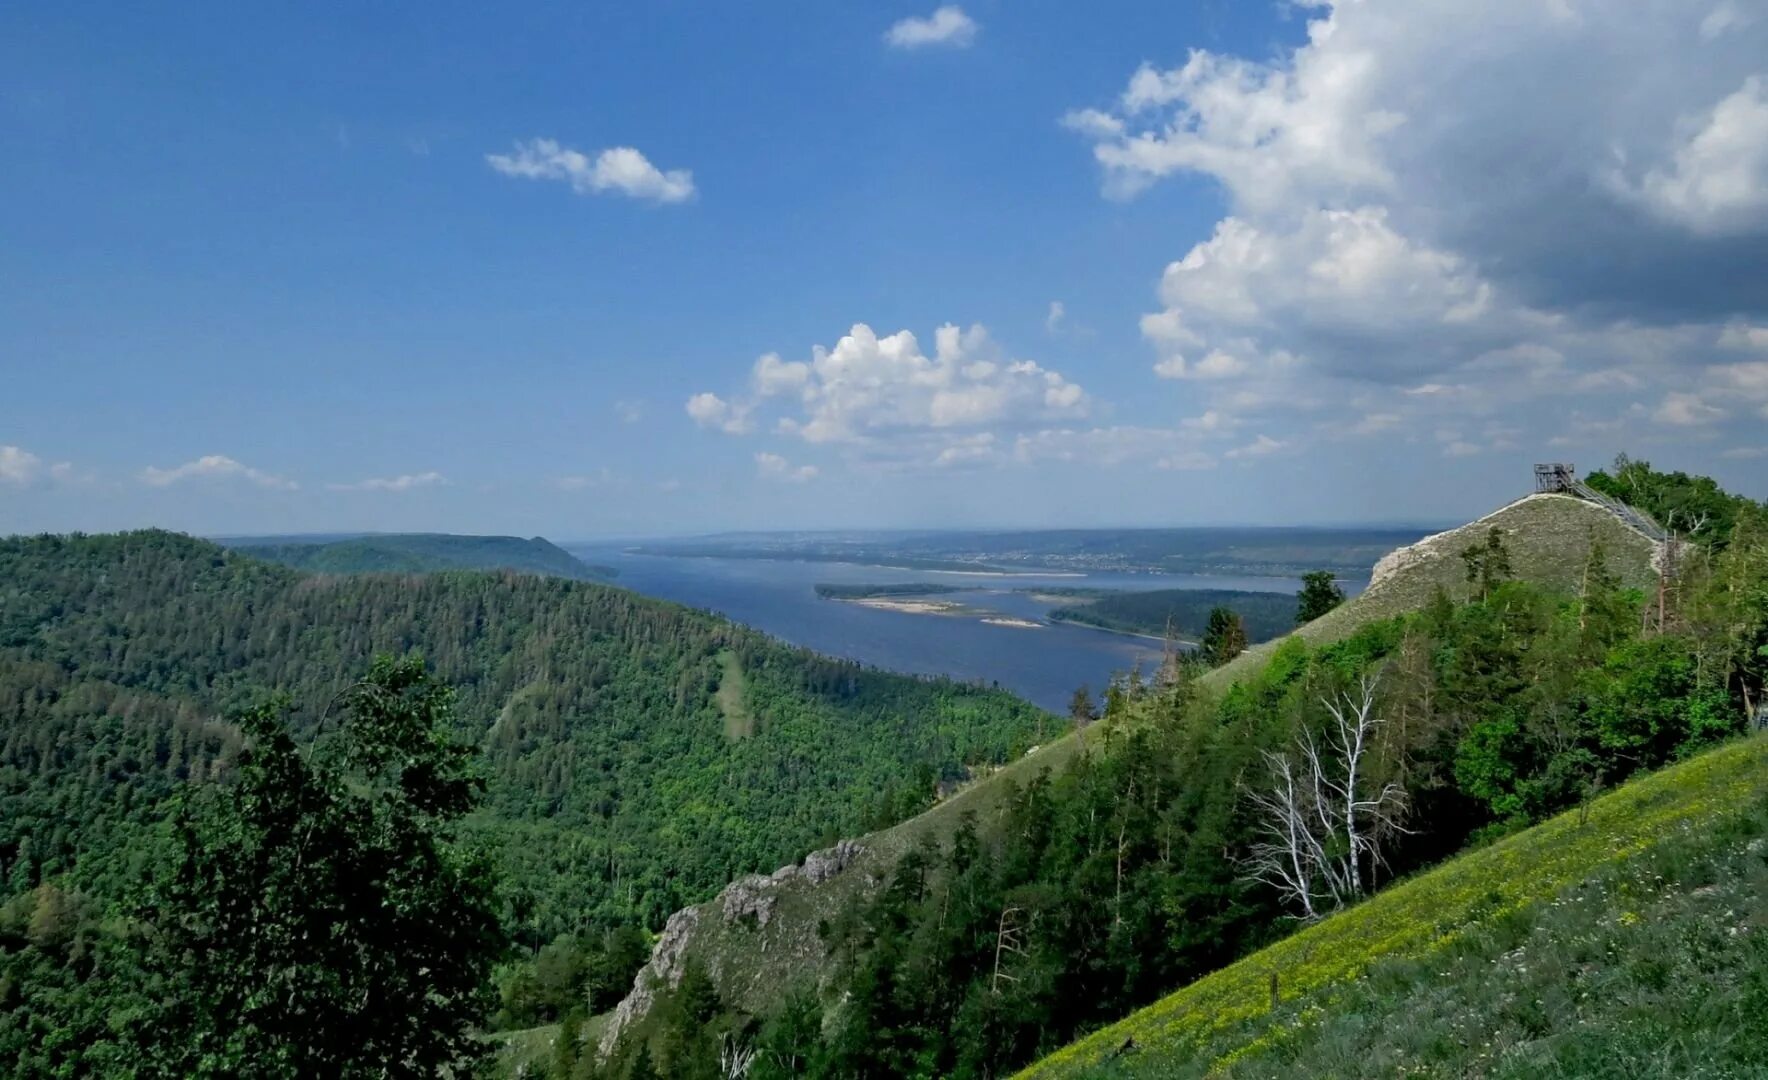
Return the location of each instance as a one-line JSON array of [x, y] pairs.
[[1004, 573], [1065, 621]]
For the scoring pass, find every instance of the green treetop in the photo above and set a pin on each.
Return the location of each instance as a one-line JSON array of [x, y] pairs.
[[1319, 594], [317, 918]]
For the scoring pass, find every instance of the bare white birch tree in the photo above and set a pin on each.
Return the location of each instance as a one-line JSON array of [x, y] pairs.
[[1288, 859], [734, 1059], [1321, 818]]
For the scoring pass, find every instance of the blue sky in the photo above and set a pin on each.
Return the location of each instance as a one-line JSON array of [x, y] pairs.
[[308, 267]]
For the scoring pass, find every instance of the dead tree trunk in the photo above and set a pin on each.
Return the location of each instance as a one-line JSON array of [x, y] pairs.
[[1320, 818], [1009, 941]]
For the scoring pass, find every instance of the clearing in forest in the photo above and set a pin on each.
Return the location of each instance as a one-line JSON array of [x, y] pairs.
[[738, 723]]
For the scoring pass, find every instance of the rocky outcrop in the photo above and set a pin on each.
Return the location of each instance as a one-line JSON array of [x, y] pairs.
[[820, 866], [745, 906], [664, 970], [749, 898]]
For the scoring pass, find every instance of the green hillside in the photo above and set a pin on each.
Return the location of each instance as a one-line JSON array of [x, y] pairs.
[[412, 553], [1544, 534], [1626, 938], [757, 967], [604, 721]]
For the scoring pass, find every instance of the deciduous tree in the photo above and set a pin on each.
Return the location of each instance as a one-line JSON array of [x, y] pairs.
[[317, 917]]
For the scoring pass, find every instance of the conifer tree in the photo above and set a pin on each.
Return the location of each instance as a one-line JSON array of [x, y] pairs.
[[1488, 563], [1319, 594], [1224, 637]]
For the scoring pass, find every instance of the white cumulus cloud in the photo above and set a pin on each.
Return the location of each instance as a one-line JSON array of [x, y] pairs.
[[620, 170], [1263, 446], [868, 390], [948, 26], [711, 411], [1717, 180], [404, 482], [775, 467], [217, 466], [18, 466], [1490, 212]]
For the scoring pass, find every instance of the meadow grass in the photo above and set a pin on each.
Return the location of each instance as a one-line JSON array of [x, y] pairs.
[[739, 724], [529, 1052], [1390, 945]]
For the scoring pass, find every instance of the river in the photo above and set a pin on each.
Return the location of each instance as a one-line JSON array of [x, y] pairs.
[[1043, 665]]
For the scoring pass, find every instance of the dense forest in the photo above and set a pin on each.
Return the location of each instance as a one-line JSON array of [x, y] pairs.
[[1191, 835], [636, 754], [883, 592], [1183, 612], [414, 553]]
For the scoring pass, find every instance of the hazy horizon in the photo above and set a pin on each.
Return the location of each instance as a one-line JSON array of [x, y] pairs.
[[669, 271]]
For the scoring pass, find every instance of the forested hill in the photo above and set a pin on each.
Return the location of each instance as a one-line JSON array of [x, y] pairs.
[[639, 753], [408, 553]]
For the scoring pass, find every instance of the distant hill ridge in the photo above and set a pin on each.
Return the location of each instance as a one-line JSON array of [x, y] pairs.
[[756, 964], [414, 553]]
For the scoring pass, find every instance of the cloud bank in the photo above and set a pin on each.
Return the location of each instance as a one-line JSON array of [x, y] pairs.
[[1434, 217]]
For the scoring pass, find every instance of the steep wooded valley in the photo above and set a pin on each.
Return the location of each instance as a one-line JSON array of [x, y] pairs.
[[617, 786]]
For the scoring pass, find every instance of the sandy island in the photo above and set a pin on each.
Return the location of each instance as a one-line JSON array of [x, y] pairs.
[[1012, 573], [911, 607], [921, 606]]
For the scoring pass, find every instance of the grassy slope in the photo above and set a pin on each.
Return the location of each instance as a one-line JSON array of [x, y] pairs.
[[754, 968], [529, 1053], [1437, 926]]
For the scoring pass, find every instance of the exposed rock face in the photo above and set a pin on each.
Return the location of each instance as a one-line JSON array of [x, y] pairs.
[[820, 866], [745, 905], [664, 970], [1436, 545], [750, 897]]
